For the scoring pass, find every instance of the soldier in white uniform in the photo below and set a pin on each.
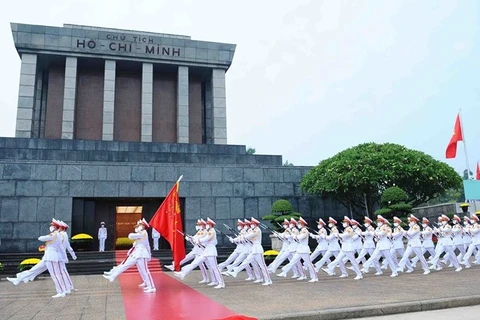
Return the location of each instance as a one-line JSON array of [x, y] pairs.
[[156, 238], [457, 232], [321, 235], [368, 243], [50, 262], [398, 249], [62, 231], [414, 245], [292, 243], [357, 244], [102, 236], [427, 243], [246, 249], [195, 252], [444, 235], [382, 234], [303, 252], [333, 247], [467, 237], [348, 250], [255, 236], [474, 231], [209, 256], [139, 257], [284, 252]]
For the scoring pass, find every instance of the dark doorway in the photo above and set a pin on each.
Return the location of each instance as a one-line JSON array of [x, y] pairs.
[[88, 213]]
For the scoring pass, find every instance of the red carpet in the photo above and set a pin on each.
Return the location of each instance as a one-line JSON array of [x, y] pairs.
[[173, 299]]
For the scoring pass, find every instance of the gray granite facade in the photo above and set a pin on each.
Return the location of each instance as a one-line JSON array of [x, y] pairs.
[[39, 180]]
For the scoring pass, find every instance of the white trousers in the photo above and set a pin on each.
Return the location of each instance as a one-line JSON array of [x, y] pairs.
[[350, 256], [418, 253], [229, 260], [450, 255], [318, 251], [363, 253], [238, 260], [306, 262], [376, 255], [471, 248], [55, 271], [284, 255], [142, 266], [258, 258], [30, 274], [326, 259], [102, 244], [431, 251], [211, 262], [66, 276], [155, 243]]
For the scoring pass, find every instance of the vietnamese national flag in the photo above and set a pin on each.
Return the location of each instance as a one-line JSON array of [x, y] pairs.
[[478, 172], [167, 220], [451, 151]]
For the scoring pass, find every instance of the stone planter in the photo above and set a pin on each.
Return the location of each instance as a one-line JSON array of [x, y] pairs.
[[276, 243]]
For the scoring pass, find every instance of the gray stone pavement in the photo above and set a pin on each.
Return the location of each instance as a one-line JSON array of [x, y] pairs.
[[464, 313], [330, 298]]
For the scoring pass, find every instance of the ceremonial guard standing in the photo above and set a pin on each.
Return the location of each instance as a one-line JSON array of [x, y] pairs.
[[209, 256], [139, 257], [156, 238], [255, 236], [348, 250], [303, 252], [102, 236], [414, 245]]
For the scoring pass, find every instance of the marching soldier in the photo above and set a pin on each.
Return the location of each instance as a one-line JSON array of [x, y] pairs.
[[444, 234], [457, 232], [255, 236], [467, 237], [284, 252], [427, 243], [474, 231], [383, 247], [333, 247], [368, 244], [62, 231], [398, 249], [321, 235], [209, 255], [348, 250], [303, 252], [414, 245], [139, 257]]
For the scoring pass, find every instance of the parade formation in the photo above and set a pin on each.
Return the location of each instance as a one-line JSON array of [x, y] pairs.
[[455, 245]]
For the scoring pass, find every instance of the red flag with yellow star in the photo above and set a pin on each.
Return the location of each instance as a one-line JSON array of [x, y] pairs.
[[451, 151], [168, 222]]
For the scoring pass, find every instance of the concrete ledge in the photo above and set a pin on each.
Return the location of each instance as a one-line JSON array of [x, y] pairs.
[[381, 310]]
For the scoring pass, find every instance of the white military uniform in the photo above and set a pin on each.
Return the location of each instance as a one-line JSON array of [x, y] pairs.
[[445, 239], [322, 246], [382, 249], [368, 245], [284, 252], [414, 245], [474, 245], [333, 250], [255, 236], [348, 251], [156, 238], [302, 252], [139, 257], [64, 259], [53, 248], [427, 244], [102, 236], [209, 256]]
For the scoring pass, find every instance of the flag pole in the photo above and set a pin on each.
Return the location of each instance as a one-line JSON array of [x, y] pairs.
[[181, 177], [464, 144]]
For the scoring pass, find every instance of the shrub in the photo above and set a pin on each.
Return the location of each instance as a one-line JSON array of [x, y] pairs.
[[281, 209], [383, 212], [393, 195], [123, 243], [27, 264], [81, 237]]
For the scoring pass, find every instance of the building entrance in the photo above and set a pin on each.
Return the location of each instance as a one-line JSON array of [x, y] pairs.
[[119, 214]]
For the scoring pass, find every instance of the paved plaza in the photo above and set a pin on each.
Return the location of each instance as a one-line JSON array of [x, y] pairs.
[[330, 298]]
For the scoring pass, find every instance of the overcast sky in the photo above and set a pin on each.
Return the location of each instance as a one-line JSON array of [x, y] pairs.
[[309, 78]]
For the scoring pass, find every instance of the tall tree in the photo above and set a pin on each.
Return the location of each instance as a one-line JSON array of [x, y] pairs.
[[251, 150], [357, 176]]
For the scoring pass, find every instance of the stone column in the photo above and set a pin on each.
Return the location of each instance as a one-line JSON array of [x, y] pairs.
[[208, 112], [147, 102], [26, 96], [219, 107], [69, 95], [108, 100], [37, 108], [182, 105]]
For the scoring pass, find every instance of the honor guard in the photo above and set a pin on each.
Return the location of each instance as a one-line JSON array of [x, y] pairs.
[[444, 235], [368, 243], [156, 238], [321, 235], [333, 247], [414, 245], [102, 236], [457, 233], [474, 231], [427, 242]]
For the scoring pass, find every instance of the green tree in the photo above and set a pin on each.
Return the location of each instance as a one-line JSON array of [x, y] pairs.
[[251, 150], [357, 176], [393, 203], [288, 164], [281, 209]]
